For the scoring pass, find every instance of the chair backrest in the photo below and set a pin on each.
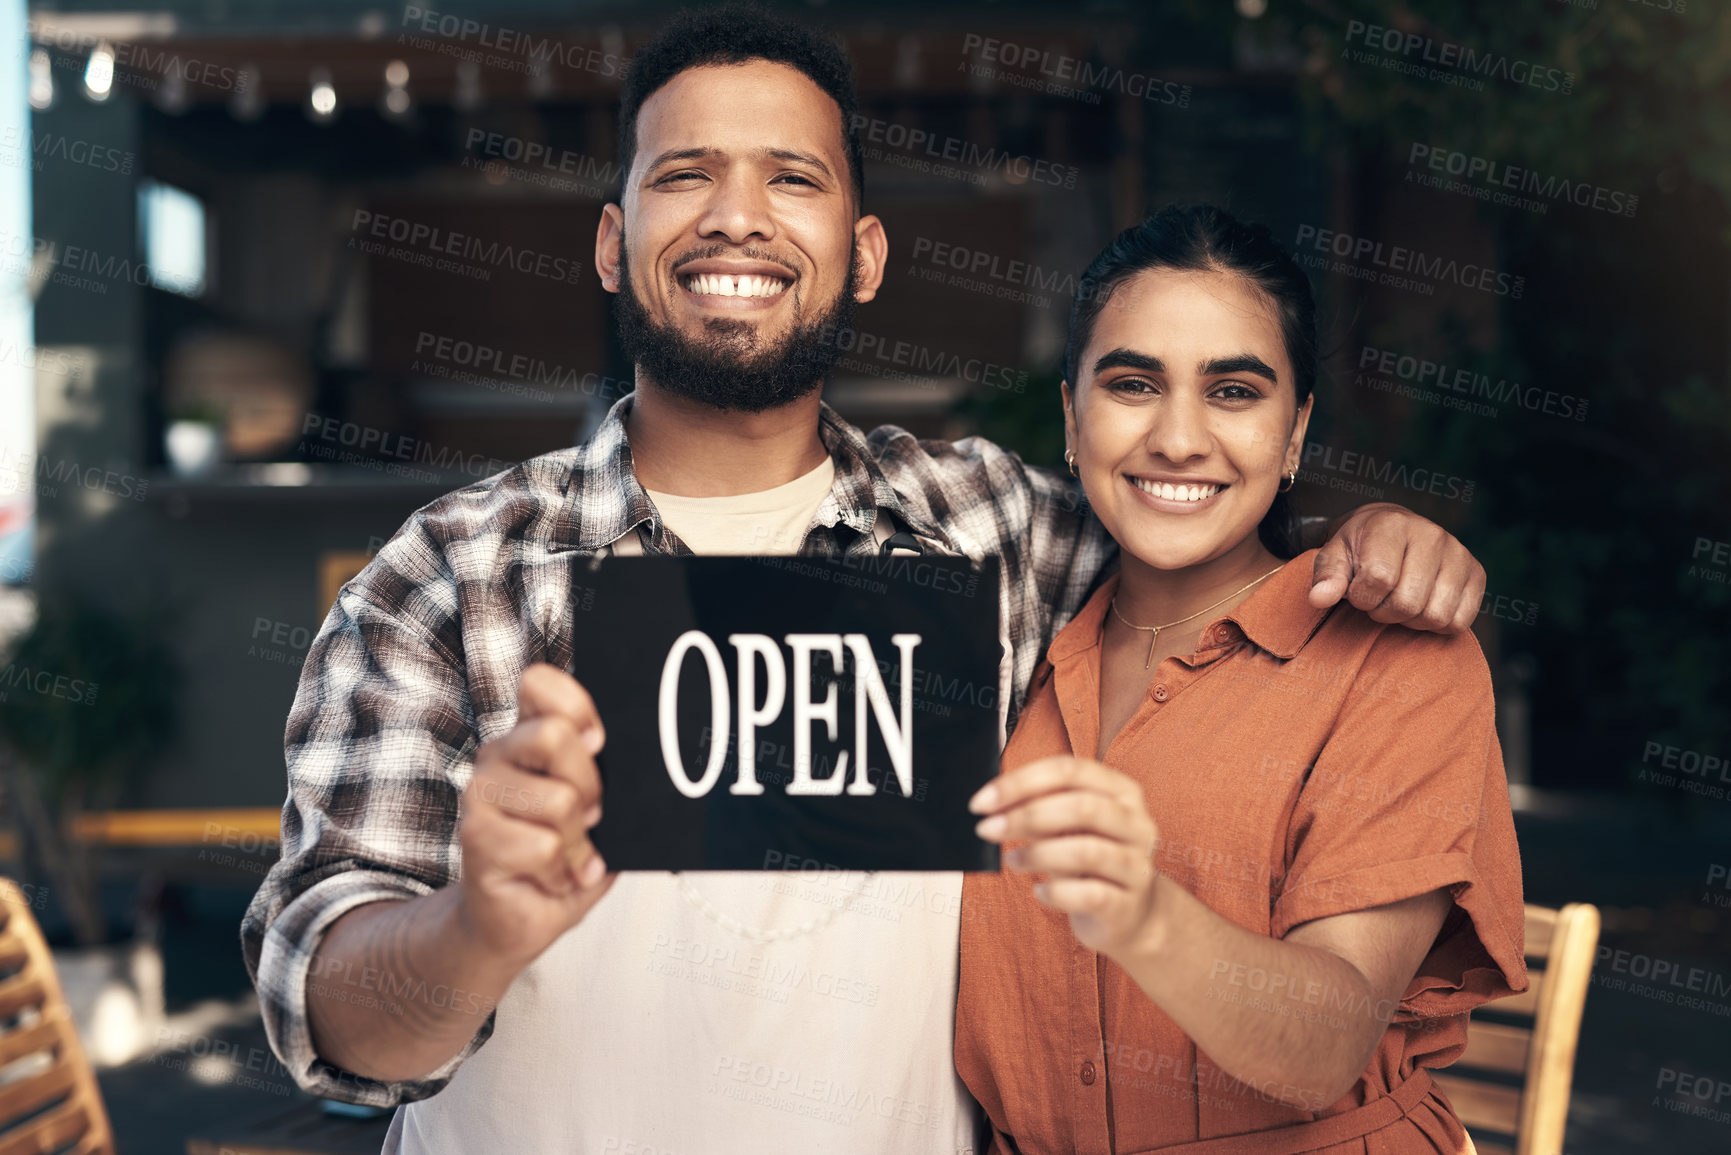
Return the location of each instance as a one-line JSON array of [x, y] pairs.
[[1511, 1086], [49, 1100], [336, 567]]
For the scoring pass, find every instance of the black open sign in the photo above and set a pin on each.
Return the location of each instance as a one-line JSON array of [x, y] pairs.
[[769, 710]]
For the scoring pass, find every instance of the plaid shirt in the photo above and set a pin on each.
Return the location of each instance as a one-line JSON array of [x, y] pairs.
[[418, 663]]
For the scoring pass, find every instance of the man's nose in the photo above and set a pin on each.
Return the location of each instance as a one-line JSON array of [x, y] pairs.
[[738, 210]]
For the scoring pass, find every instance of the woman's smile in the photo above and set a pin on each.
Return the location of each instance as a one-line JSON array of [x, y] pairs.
[[1184, 496]]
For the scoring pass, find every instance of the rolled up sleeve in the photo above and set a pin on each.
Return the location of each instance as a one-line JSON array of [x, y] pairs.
[[1409, 796], [379, 744]]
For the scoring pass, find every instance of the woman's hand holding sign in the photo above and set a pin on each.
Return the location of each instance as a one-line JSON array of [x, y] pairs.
[[530, 872], [1087, 829]]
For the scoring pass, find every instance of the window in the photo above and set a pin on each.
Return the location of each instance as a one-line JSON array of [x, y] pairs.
[[171, 227]]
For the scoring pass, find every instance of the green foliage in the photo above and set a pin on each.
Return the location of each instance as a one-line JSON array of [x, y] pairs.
[[1030, 422], [88, 696], [1592, 519], [1649, 83], [201, 411]]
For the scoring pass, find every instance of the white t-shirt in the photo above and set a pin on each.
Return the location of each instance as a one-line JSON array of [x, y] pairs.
[[772, 521], [706, 1012]]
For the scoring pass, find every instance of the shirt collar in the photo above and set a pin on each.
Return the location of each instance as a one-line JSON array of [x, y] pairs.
[[1276, 617], [861, 489], [604, 500]]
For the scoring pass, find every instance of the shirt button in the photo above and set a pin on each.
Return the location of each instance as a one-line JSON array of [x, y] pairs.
[[1160, 694], [1088, 1072]]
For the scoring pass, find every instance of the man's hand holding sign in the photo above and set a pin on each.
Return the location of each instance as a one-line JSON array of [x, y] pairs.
[[529, 870], [530, 873]]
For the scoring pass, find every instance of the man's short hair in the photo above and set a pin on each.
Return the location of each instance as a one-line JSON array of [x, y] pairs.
[[734, 34]]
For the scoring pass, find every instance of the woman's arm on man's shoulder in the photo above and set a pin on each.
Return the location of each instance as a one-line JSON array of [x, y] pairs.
[[1400, 568]]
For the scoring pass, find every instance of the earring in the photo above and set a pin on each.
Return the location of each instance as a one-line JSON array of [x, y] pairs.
[[1291, 480], [1070, 460]]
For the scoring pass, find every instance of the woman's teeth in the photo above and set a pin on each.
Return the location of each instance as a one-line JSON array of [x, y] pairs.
[[1176, 492], [743, 285]]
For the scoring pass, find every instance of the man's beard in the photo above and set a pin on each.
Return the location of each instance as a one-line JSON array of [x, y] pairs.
[[731, 366]]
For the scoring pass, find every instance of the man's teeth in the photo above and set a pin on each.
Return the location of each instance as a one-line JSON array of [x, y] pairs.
[[743, 285], [1176, 492]]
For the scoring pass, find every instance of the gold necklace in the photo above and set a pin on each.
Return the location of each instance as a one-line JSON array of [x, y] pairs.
[[1154, 631]]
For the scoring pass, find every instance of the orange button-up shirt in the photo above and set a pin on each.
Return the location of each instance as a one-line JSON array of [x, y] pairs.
[[1302, 763]]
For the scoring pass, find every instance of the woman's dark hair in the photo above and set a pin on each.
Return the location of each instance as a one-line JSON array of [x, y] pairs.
[[735, 34], [1202, 238]]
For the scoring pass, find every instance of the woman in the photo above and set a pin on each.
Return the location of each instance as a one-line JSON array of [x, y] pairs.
[[1275, 855]]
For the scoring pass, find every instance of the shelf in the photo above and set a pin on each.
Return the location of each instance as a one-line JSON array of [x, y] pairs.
[[294, 480]]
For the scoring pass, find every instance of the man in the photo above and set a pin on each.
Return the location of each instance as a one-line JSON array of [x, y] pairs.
[[438, 890]]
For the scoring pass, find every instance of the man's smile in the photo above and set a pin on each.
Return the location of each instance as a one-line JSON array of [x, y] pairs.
[[733, 285]]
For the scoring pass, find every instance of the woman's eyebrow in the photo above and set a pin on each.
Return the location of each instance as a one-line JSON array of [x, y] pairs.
[[1122, 358], [1239, 363]]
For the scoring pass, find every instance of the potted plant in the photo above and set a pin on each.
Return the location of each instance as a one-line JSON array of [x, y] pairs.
[[87, 698], [194, 437]]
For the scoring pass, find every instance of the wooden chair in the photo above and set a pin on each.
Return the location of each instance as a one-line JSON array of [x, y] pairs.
[[1511, 1086], [49, 1100], [336, 567]]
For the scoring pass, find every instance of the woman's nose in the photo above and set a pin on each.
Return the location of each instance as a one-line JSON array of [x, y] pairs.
[[1179, 430]]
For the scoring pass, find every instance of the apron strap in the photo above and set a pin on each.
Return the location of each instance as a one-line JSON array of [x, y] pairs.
[[631, 545], [889, 540]]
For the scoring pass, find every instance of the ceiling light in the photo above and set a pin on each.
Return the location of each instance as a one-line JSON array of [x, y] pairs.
[[99, 73], [322, 100], [41, 80]]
